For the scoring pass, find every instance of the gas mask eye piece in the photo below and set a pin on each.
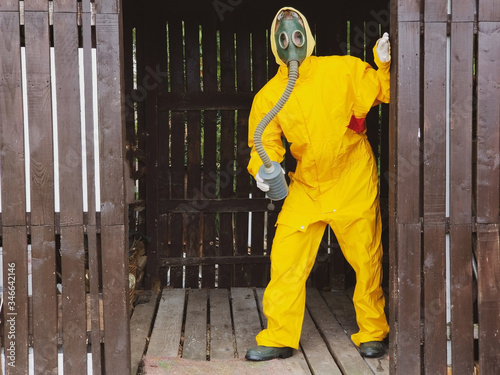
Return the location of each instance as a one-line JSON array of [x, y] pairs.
[[283, 39], [298, 38]]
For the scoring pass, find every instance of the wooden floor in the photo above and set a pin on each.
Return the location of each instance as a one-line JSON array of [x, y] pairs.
[[222, 324]]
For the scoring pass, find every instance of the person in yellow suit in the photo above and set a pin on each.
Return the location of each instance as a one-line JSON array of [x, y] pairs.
[[335, 182]]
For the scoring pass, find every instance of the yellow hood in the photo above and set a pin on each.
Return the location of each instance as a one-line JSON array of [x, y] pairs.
[[310, 39]]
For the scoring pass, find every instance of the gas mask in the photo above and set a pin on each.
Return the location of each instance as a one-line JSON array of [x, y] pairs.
[[291, 41]]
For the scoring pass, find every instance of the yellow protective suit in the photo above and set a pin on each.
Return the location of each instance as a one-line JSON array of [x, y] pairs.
[[335, 183]]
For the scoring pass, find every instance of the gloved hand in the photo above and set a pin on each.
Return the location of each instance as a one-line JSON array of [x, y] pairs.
[[261, 184], [384, 48]]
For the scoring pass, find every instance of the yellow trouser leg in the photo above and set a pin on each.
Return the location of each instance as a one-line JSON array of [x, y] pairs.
[[292, 258], [360, 243]]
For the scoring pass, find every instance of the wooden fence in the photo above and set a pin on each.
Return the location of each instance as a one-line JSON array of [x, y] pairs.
[[444, 204], [63, 213], [197, 67]]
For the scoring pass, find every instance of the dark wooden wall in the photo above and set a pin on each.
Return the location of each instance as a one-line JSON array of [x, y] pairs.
[[198, 66], [444, 184], [51, 239]]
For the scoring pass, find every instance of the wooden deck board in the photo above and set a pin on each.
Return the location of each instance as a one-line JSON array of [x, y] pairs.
[[246, 319], [195, 332], [222, 343], [221, 324], [166, 335], [140, 325]]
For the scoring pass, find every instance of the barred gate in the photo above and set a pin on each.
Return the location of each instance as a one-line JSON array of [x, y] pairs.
[[63, 215], [445, 125]]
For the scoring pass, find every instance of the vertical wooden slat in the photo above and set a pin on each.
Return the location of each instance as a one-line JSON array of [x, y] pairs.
[[42, 192], [177, 150], [74, 322], [226, 150], [209, 49], [113, 210], [434, 198], [242, 273], [15, 275], [67, 6], [10, 5], [488, 10], [488, 259], [193, 76], [36, 5], [435, 10], [161, 81], [259, 59], [11, 112], [488, 111], [93, 255], [462, 11], [406, 279], [108, 6], [407, 10], [488, 143], [462, 342], [71, 195], [151, 27]]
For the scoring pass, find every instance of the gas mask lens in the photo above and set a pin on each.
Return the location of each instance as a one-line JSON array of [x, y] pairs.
[[284, 42], [298, 38]]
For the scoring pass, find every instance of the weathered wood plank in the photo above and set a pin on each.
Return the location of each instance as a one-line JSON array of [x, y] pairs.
[[150, 28], [221, 331], [488, 259], [177, 134], [462, 316], [15, 281], [434, 197], [461, 117], [434, 304], [315, 350], [112, 187], [344, 352], [166, 334], [115, 281], [68, 122], [407, 331], [140, 327], [193, 143], [408, 120], [195, 332], [209, 50], [43, 250], [36, 5], [488, 118], [74, 318], [408, 10], [66, 6], [11, 116], [227, 134], [257, 236], [246, 319], [434, 130], [435, 11], [94, 259], [462, 11], [488, 10], [10, 5], [43, 244], [110, 112]]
